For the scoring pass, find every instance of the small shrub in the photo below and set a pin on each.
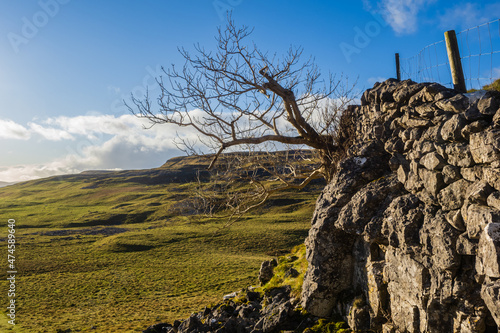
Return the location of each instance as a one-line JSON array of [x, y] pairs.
[[326, 326]]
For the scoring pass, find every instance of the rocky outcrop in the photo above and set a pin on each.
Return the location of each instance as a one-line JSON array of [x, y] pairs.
[[246, 311], [406, 237], [266, 271]]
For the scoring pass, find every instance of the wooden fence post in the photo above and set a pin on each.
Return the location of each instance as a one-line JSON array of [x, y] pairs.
[[457, 73], [398, 71]]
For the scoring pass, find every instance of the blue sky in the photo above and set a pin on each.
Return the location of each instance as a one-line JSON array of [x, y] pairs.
[[66, 65]]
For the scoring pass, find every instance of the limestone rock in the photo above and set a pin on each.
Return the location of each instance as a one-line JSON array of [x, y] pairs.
[[457, 104], [488, 253], [438, 241], [275, 316], [406, 236], [468, 174], [190, 325], [421, 254], [493, 200], [454, 218], [354, 216], [472, 114], [406, 278], [491, 295], [406, 90], [489, 103], [377, 294], [466, 246], [450, 174], [394, 145], [492, 176], [453, 196], [266, 272], [496, 119], [402, 220], [459, 155], [484, 146], [452, 129], [432, 180], [478, 217], [474, 127], [478, 192], [432, 161]]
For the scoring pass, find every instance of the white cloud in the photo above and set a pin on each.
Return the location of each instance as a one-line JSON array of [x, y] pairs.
[[401, 15], [101, 142], [12, 130], [51, 134], [468, 15], [29, 172], [91, 124]]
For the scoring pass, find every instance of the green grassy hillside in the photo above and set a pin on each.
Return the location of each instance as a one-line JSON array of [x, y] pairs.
[[119, 251]]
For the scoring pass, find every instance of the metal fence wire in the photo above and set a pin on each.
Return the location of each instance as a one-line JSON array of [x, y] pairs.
[[479, 52]]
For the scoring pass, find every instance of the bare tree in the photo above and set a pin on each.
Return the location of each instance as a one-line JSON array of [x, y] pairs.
[[237, 98]]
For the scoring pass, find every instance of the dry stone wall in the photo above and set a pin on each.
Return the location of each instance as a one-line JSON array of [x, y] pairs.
[[406, 238]]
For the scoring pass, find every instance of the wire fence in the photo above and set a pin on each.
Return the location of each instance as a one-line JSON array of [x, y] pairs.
[[479, 52]]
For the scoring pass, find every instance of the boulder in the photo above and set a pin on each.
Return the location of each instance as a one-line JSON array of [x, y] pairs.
[[490, 292], [488, 253], [493, 200], [489, 103], [423, 256], [266, 271], [453, 196], [452, 129], [478, 217], [450, 174], [432, 161], [457, 104], [484, 146]]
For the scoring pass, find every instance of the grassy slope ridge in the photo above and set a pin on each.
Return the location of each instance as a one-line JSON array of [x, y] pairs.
[[117, 251]]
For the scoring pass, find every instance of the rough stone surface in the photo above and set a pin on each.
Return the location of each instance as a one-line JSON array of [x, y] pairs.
[[478, 217], [266, 270], [275, 311], [424, 255], [458, 103], [491, 295], [432, 161], [484, 146], [450, 174], [406, 236], [494, 200], [489, 103], [488, 257], [452, 129], [453, 196]]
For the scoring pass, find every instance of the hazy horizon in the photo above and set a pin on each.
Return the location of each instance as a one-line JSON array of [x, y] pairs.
[[67, 66]]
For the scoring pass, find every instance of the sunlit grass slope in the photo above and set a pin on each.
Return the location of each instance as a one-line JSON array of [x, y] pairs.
[[117, 252]]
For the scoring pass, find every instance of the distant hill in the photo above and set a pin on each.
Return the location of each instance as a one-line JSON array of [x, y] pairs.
[[98, 197], [3, 184], [119, 250], [181, 169]]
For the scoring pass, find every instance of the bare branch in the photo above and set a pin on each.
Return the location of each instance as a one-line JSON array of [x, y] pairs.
[[237, 96]]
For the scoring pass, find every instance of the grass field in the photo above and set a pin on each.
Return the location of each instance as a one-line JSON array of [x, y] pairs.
[[103, 254]]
